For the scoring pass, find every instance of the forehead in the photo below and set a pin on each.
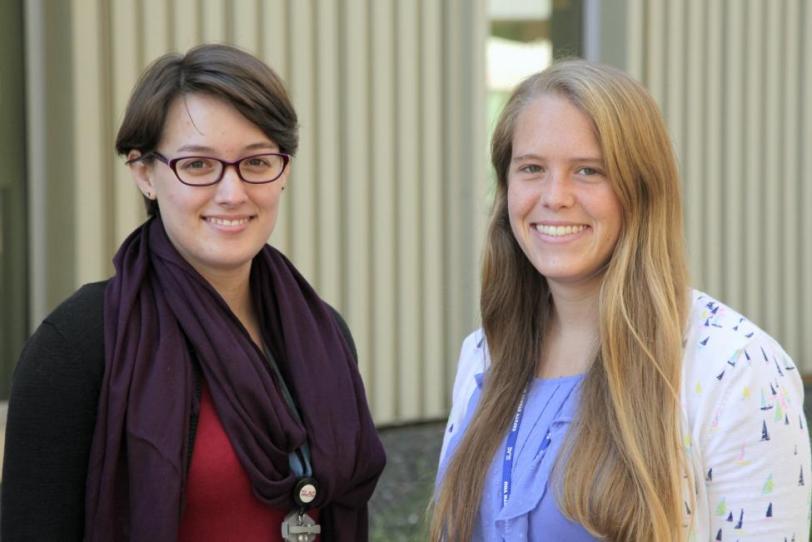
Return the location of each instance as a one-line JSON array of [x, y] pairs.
[[206, 120], [553, 123]]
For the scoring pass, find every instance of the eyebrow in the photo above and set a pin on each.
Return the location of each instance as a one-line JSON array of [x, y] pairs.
[[580, 159], [204, 148]]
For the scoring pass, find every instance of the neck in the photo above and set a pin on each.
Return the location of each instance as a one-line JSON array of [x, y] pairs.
[[235, 290], [572, 337], [576, 308]]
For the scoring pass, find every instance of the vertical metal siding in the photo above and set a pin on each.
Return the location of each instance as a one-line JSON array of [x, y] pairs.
[[433, 330], [805, 149], [734, 80], [91, 156], [384, 241], [733, 113], [787, 199], [753, 151], [382, 211]]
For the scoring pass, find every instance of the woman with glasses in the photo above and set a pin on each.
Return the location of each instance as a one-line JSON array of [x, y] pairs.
[[205, 391], [604, 399]]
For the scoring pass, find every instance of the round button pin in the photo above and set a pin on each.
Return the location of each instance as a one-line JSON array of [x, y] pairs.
[[305, 491]]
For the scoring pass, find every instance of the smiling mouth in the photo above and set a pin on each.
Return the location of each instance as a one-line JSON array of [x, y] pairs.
[[228, 222], [558, 231]]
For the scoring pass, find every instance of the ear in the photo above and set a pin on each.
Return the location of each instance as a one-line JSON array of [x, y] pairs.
[[283, 180], [141, 173]]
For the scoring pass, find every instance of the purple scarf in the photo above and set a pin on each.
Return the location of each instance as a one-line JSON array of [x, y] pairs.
[[157, 308]]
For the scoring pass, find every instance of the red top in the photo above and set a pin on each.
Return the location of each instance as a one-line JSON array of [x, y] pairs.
[[220, 505]]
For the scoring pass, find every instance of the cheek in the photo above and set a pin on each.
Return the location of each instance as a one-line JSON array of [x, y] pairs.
[[270, 201], [517, 202], [612, 214]]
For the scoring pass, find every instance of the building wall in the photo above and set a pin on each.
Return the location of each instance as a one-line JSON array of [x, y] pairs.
[[388, 201], [734, 80], [385, 207], [13, 302]]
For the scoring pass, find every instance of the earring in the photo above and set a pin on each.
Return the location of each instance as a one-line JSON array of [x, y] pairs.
[[148, 194]]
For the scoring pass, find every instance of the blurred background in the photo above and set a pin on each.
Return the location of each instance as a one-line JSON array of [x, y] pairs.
[[390, 191]]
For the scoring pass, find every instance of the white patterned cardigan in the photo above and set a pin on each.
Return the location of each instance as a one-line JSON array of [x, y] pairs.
[[744, 427]]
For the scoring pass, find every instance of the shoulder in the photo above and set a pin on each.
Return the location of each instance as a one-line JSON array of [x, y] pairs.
[[81, 315], [69, 342], [717, 336], [734, 373], [345, 330], [473, 361]]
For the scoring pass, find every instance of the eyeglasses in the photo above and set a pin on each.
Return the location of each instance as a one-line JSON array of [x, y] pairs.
[[206, 171]]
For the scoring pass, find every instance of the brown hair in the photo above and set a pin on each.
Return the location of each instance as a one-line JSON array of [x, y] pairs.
[[222, 71], [625, 481]]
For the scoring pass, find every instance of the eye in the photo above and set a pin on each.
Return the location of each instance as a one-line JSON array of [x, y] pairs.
[[258, 161], [258, 164], [587, 171], [196, 165], [530, 168]]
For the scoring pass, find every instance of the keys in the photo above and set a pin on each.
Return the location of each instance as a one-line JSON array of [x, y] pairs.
[[299, 527]]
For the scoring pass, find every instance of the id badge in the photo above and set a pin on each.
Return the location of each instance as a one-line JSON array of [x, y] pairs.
[[299, 527]]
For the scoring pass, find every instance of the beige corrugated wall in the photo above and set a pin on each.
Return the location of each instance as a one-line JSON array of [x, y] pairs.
[[384, 213], [734, 79]]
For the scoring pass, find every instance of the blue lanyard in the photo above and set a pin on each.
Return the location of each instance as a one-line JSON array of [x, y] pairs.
[[510, 447]]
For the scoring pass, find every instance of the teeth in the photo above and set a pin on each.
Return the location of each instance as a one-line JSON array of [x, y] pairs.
[[559, 231], [227, 222]]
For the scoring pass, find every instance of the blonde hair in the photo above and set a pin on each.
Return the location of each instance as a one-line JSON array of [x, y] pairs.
[[625, 482]]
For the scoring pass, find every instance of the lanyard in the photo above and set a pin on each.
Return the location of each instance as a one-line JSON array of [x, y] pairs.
[[510, 445], [298, 459]]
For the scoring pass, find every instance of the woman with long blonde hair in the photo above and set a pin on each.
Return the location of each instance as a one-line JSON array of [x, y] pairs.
[[603, 398]]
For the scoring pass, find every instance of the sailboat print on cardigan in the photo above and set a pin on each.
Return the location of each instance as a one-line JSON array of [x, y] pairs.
[[718, 535], [801, 477], [736, 327], [764, 434], [769, 513], [741, 519]]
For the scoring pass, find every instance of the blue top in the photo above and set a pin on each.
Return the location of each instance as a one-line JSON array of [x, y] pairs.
[[531, 511]]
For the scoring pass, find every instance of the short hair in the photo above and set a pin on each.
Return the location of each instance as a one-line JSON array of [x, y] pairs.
[[221, 71]]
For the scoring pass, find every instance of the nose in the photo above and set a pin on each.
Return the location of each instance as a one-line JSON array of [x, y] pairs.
[[557, 191], [230, 189]]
